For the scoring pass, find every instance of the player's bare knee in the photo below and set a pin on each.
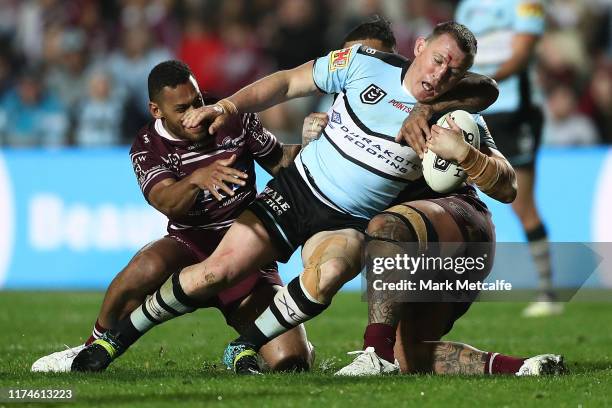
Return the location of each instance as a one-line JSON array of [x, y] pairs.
[[332, 263], [334, 273], [296, 355], [291, 362], [219, 271], [144, 273]]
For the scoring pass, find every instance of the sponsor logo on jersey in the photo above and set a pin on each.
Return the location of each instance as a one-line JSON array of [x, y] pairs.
[[262, 136], [172, 162], [195, 146], [339, 59], [336, 118], [274, 201], [229, 144], [372, 95], [400, 105], [531, 9]]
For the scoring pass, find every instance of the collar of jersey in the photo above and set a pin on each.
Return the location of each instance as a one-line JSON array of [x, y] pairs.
[[161, 130]]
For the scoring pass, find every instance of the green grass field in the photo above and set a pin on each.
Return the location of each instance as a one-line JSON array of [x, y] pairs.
[[179, 363]]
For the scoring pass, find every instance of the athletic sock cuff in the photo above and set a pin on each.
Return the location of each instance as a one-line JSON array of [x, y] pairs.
[[302, 301], [180, 294], [537, 233]]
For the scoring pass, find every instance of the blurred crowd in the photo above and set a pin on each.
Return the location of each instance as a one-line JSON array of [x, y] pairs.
[[73, 72]]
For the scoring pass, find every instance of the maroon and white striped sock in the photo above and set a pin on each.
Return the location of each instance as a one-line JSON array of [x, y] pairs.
[[96, 333], [500, 364]]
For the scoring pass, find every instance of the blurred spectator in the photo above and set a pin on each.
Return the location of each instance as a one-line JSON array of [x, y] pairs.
[[67, 79], [562, 57], [6, 72], [229, 43], [155, 15], [421, 17], [298, 33], [241, 60], [202, 49], [31, 115], [8, 17], [598, 100], [35, 18], [100, 113], [130, 67], [564, 124]]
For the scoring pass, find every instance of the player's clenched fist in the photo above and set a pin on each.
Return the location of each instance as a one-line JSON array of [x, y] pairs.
[[313, 126], [449, 144], [415, 129], [214, 177]]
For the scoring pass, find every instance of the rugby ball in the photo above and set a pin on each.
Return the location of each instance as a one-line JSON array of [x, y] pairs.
[[443, 175]]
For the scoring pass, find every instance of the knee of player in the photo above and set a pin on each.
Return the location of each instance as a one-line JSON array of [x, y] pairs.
[[219, 270], [296, 359], [291, 362], [142, 269], [335, 272]]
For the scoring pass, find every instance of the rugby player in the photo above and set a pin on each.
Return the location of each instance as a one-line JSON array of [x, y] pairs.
[[201, 183], [325, 199], [420, 325], [507, 33]]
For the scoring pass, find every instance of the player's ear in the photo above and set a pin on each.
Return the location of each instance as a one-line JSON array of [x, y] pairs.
[[419, 46], [155, 110]]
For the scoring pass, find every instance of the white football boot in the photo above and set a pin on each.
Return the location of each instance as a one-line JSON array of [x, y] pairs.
[[59, 362], [367, 362], [544, 364], [543, 308]]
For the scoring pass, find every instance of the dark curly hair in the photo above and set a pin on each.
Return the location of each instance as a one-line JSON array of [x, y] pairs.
[[168, 73]]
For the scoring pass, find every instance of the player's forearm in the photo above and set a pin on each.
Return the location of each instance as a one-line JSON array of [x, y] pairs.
[[275, 89], [288, 154], [511, 67], [493, 175], [473, 93], [175, 200], [522, 48]]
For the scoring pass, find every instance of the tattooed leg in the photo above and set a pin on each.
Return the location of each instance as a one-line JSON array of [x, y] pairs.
[[456, 358], [451, 358], [385, 235]]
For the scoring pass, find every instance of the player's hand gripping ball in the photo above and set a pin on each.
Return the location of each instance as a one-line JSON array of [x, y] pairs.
[[440, 168]]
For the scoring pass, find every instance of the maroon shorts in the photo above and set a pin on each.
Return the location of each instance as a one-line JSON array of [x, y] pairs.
[[474, 221], [202, 243]]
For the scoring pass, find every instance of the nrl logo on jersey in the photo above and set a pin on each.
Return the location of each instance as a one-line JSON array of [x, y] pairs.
[[372, 95]]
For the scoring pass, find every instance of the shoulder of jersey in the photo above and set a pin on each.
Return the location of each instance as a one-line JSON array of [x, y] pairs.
[[390, 58]]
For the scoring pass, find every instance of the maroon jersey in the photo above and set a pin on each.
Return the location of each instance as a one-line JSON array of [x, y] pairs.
[[157, 155]]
